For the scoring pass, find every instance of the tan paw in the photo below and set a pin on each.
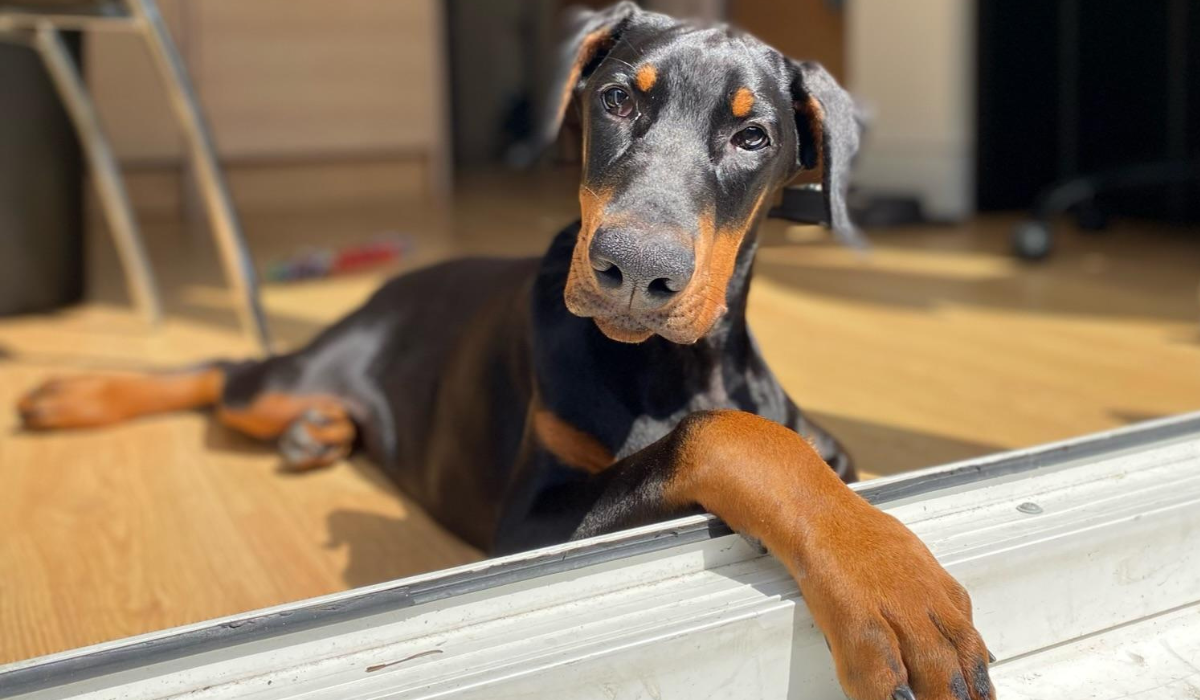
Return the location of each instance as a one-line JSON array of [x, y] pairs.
[[75, 402], [899, 626], [319, 437]]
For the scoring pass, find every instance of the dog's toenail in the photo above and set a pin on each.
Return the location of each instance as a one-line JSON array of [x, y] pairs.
[[903, 693], [958, 687], [316, 417], [982, 682], [300, 438]]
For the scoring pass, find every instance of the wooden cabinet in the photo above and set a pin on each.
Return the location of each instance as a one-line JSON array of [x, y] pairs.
[[287, 81], [129, 94], [810, 30]]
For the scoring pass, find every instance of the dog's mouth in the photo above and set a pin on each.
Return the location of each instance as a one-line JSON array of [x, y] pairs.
[[623, 328], [636, 328], [685, 321]]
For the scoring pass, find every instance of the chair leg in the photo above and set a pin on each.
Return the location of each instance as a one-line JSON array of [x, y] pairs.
[[117, 210], [239, 268]]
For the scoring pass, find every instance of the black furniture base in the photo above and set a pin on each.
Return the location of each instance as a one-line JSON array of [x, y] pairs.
[[1033, 239]]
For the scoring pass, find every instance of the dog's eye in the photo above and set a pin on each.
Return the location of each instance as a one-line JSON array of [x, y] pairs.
[[752, 138], [617, 101]]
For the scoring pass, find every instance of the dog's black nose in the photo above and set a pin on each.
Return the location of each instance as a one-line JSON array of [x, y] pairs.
[[645, 270]]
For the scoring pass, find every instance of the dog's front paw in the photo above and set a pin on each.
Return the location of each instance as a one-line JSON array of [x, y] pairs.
[[898, 625]]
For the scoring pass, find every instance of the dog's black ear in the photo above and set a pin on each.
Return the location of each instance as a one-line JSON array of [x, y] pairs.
[[591, 35], [828, 129]]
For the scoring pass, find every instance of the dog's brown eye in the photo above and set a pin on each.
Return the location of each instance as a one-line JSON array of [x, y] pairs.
[[617, 102], [752, 138]]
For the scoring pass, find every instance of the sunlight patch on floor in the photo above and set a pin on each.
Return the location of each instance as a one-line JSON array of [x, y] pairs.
[[948, 264]]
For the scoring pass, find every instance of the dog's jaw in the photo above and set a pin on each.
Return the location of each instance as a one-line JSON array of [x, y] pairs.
[[683, 323]]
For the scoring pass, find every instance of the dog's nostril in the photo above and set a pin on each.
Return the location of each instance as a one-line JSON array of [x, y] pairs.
[[608, 275], [664, 287], [646, 269]]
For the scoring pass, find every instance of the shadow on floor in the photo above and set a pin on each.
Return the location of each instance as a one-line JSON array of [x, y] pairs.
[[1122, 274], [1134, 417], [384, 548], [883, 450], [380, 547], [221, 439]]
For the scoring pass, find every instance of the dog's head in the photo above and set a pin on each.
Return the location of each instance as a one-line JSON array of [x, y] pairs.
[[687, 130]]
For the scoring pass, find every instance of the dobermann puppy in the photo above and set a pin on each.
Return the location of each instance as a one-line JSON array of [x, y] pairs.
[[614, 382]]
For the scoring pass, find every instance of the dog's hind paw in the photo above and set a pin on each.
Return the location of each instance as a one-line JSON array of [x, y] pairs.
[[75, 402], [318, 438]]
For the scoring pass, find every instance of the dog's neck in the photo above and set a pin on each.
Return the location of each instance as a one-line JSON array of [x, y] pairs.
[[605, 387]]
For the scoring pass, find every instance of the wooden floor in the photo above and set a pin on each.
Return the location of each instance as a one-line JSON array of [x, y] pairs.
[[936, 346]]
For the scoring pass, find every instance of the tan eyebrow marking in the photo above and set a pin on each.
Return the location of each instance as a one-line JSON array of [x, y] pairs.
[[742, 102], [646, 76]]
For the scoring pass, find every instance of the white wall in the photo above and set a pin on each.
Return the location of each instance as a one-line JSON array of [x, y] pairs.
[[912, 64]]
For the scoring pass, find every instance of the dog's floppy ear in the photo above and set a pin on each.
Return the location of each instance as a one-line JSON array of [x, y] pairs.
[[828, 129], [591, 35]]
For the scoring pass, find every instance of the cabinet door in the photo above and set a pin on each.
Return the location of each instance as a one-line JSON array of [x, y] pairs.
[[284, 79], [128, 91], [314, 77]]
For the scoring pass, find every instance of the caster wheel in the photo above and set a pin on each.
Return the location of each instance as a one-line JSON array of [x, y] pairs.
[[1032, 240], [1091, 217]]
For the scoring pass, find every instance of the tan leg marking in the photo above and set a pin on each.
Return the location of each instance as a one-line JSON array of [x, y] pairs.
[[893, 616], [313, 430]]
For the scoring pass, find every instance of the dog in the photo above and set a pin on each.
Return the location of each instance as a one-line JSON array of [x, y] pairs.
[[614, 381]]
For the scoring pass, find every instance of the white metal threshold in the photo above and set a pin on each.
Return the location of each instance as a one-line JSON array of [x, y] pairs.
[[1082, 557]]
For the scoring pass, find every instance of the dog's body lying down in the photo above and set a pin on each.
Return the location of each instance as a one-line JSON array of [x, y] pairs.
[[614, 382]]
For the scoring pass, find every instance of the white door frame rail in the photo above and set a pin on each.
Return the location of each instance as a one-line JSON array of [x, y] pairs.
[[1082, 557]]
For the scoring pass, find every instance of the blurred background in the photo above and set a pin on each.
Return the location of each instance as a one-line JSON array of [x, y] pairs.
[[1028, 184]]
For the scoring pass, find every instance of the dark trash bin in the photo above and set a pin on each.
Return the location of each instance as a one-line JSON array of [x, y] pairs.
[[41, 189]]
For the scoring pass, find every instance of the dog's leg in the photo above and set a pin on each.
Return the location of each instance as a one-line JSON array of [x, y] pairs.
[[91, 401], [312, 430], [897, 624]]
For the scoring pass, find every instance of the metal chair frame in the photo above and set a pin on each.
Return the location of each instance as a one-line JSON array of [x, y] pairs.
[[40, 25]]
